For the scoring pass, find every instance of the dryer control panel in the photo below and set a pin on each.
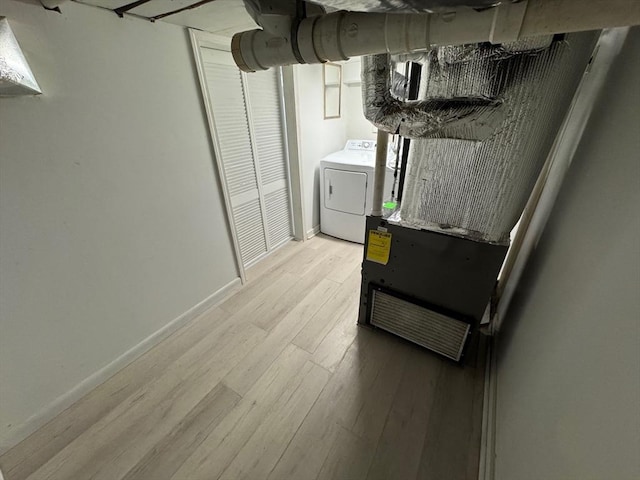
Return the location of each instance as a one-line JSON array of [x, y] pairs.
[[362, 145]]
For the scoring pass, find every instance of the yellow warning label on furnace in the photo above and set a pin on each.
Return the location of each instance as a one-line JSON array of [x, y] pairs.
[[378, 247]]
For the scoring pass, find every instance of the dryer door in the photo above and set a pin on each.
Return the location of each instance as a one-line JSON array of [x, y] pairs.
[[345, 191]]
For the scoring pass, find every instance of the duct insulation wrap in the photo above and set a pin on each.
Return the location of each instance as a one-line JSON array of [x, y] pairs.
[[478, 189], [406, 6], [468, 118]]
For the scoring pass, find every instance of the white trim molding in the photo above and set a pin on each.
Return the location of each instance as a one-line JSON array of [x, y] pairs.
[[312, 232], [296, 174], [488, 436], [33, 423]]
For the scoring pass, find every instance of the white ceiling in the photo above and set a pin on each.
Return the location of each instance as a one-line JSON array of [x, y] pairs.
[[223, 17]]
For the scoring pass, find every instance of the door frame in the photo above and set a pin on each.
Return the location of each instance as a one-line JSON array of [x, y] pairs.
[[200, 39], [296, 170]]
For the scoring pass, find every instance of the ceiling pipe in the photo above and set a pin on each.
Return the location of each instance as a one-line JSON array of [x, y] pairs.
[[341, 35]]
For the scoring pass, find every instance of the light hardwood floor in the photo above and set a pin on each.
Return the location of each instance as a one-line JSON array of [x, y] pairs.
[[277, 382]]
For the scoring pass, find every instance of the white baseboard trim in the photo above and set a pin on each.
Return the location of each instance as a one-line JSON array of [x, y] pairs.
[[486, 470], [20, 432], [313, 232]]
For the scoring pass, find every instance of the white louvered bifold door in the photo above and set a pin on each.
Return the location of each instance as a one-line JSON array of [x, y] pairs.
[[250, 144], [265, 114], [233, 140]]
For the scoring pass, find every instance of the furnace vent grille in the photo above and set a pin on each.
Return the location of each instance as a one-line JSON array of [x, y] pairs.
[[440, 333]]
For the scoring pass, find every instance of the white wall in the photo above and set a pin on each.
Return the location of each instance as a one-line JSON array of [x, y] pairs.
[[111, 217], [357, 125], [568, 375], [318, 137]]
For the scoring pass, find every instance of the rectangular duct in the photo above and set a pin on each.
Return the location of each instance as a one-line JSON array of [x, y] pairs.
[[440, 333], [481, 129]]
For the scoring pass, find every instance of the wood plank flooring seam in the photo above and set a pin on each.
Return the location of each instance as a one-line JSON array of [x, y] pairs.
[[165, 458], [415, 378], [285, 410], [312, 396], [312, 360], [377, 443], [249, 370], [303, 420], [241, 421], [171, 384], [20, 471]]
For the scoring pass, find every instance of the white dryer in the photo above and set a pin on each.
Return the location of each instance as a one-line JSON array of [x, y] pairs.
[[346, 189]]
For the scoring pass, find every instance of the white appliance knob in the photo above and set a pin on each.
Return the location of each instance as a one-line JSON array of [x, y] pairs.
[[366, 144]]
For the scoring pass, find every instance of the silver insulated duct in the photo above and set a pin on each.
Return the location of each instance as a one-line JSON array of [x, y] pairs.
[[484, 123]]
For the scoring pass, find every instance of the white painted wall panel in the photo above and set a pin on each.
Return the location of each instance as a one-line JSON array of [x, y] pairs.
[[111, 218], [568, 383], [318, 137]]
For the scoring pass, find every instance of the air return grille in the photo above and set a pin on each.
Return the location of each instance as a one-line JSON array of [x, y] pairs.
[[437, 332]]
